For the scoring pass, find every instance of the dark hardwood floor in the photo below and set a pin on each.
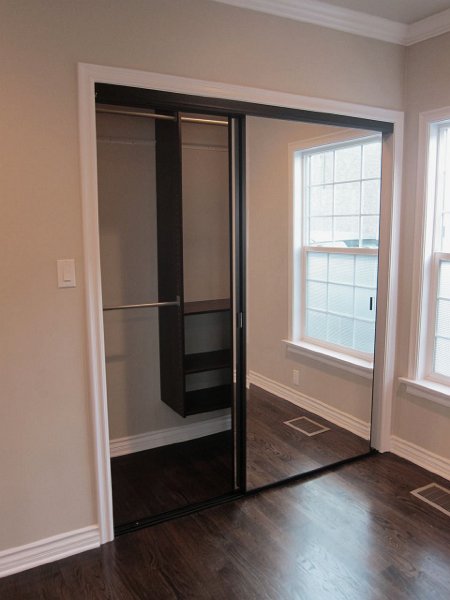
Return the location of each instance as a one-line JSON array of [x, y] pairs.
[[275, 451], [156, 481], [354, 533]]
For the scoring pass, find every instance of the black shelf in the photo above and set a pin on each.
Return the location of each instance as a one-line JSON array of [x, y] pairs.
[[207, 306], [207, 361], [208, 399]]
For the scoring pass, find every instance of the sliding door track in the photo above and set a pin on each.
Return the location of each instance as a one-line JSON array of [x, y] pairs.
[[175, 514], [199, 506]]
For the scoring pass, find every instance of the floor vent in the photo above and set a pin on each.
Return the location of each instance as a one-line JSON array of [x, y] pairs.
[[306, 426], [436, 496]]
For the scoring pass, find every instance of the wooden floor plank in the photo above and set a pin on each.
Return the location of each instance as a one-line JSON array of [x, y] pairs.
[[156, 481], [353, 533]]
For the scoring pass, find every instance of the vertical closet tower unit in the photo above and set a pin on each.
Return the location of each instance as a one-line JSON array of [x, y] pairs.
[[206, 264]]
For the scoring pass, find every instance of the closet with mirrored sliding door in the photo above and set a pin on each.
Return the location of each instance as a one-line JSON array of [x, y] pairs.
[[239, 251]]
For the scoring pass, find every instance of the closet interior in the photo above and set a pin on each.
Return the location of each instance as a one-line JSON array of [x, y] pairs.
[[165, 246]]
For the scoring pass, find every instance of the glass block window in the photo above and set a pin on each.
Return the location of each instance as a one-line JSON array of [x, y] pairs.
[[340, 210], [441, 354], [340, 299]]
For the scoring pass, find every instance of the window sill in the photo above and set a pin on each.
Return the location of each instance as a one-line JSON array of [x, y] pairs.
[[430, 390], [339, 360]]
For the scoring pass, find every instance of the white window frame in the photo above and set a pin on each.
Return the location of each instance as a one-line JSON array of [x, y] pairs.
[[356, 362], [421, 381]]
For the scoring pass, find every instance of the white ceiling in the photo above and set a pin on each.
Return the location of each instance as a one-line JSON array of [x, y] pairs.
[[402, 11]]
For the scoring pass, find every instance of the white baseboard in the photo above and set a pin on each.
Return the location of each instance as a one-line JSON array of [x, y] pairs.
[[421, 457], [172, 435], [338, 417], [48, 550]]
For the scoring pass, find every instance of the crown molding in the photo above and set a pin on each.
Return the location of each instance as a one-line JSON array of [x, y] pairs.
[[350, 21], [428, 28], [326, 15]]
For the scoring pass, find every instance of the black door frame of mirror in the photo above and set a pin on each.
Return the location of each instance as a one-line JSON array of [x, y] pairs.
[[236, 111]]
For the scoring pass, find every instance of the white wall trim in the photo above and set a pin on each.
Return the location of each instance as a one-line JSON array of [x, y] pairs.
[[384, 382], [422, 222], [93, 299], [421, 457], [321, 409], [429, 390], [215, 89], [88, 75], [350, 21], [48, 550], [171, 435], [326, 356], [326, 15], [428, 28]]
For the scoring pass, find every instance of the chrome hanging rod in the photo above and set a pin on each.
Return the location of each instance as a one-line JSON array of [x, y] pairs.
[[135, 113], [138, 113], [204, 121], [146, 305]]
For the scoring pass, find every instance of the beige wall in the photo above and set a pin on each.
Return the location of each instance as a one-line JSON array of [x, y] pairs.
[[268, 271], [47, 475], [427, 88], [128, 251], [206, 243]]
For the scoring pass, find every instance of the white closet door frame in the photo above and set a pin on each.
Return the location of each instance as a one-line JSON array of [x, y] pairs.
[[88, 76]]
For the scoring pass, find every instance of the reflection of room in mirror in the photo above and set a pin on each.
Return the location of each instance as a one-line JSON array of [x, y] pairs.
[[311, 302], [307, 426], [276, 451]]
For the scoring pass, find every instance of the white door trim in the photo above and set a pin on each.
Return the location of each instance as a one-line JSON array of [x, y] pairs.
[[88, 75], [94, 304]]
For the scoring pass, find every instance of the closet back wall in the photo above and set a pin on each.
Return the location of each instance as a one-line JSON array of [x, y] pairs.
[[47, 467], [206, 247], [129, 263]]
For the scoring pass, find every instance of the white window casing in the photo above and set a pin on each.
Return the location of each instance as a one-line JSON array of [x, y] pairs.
[[429, 358]]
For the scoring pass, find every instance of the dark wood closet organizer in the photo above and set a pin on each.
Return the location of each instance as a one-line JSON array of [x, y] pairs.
[[194, 379], [216, 396]]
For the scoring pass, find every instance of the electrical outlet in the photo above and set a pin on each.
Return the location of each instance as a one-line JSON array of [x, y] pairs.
[[295, 377]]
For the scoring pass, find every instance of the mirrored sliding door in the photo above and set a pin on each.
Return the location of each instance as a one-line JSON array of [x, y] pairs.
[[313, 205], [164, 221]]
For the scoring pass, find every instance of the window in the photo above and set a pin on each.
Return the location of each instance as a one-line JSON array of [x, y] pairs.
[[437, 338], [429, 364], [337, 207]]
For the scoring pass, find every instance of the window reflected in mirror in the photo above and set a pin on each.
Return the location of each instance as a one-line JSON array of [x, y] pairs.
[[313, 209]]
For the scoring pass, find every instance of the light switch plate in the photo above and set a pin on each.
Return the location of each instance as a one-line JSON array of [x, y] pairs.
[[66, 272]]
